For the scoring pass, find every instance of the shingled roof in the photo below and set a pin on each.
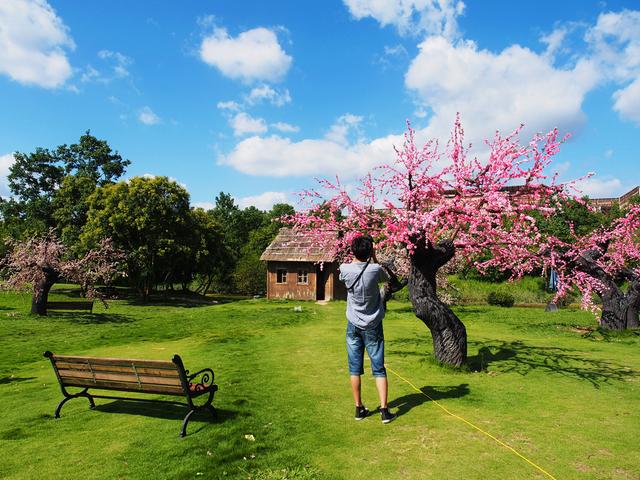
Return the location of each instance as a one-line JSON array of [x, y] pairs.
[[290, 246]]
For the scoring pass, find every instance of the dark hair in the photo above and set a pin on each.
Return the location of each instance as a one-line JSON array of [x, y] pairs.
[[362, 247]]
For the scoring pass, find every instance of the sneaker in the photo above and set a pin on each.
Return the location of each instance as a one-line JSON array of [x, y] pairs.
[[361, 412], [387, 416]]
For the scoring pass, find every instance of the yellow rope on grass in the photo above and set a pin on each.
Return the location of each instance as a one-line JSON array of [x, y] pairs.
[[500, 442]]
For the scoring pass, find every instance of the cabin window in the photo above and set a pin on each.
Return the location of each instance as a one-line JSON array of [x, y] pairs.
[[303, 277], [281, 275]]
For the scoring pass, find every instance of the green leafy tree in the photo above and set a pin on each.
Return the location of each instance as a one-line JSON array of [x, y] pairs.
[[150, 219], [250, 274], [210, 255], [43, 195], [573, 215], [237, 225], [70, 206]]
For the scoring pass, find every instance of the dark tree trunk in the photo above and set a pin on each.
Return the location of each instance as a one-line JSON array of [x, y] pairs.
[[41, 290], [448, 332], [619, 309]]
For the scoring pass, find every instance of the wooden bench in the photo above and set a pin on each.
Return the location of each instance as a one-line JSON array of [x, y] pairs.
[[129, 375], [62, 306]]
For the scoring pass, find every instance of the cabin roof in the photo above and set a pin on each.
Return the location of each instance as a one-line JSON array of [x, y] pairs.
[[295, 246]]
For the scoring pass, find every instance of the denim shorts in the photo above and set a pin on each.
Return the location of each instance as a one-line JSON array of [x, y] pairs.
[[373, 341]]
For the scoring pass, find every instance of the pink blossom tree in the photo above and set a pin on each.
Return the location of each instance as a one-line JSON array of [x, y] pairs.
[[40, 262], [598, 264], [429, 205]]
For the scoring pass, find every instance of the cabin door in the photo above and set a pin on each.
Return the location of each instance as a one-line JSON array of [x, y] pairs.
[[320, 281]]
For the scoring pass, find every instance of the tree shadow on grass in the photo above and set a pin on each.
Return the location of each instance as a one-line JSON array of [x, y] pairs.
[[518, 357], [6, 380], [401, 309], [408, 346], [91, 318], [405, 403], [166, 411], [183, 300]]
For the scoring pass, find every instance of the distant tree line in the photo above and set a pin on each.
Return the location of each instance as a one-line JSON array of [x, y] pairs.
[[76, 193]]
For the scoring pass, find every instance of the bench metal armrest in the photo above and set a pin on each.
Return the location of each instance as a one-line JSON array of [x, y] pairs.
[[204, 381]]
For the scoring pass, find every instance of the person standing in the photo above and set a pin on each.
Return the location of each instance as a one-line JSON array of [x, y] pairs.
[[366, 306]]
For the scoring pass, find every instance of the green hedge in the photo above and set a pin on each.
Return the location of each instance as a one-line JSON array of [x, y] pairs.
[[501, 299]]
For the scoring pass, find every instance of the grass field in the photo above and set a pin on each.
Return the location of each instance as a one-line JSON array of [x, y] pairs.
[[559, 392]]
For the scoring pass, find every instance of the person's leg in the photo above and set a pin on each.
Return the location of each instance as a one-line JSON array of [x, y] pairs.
[[356, 389], [383, 390], [355, 357], [374, 341]]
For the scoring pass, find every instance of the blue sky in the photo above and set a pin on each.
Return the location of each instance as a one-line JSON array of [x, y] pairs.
[[258, 98]]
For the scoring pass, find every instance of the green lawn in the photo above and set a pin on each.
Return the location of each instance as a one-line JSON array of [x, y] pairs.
[[562, 395]]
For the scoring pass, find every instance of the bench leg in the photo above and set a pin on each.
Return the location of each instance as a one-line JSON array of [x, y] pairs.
[[183, 430], [84, 393]]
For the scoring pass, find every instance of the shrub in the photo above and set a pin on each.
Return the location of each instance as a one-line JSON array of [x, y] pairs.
[[501, 299], [567, 299]]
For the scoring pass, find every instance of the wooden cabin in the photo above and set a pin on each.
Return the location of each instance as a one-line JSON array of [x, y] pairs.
[[302, 267]]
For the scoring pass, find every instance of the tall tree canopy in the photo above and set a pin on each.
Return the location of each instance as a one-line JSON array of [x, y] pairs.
[[50, 187], [149, 218]]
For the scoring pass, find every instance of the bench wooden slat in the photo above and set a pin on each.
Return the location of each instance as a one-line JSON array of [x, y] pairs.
[[99, 377], [85, 367], [127, 387], [123, 362]]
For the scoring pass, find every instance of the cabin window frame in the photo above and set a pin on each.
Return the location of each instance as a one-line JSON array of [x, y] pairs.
[[304, 274], [281, 276]]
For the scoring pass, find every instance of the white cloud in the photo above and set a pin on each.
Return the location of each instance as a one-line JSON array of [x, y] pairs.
[[5, 163], [266, 93], [395, 56], [243, 123], [119, 62], [615, 44], [433, 17], [497, 91], [492, 90], [204, 205], [597, 188], [229, 105], [148, 117], [264, 201], [554, 40], [345, 125], [33, 43], [280, 157], [285, 127], [90, 74], [254, 55], [627, 102], [115, 68]]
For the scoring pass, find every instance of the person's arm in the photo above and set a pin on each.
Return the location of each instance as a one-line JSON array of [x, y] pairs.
[[395, 284]]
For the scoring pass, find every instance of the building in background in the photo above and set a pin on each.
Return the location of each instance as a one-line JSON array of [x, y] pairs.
[[623, 200], [302, 267]]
